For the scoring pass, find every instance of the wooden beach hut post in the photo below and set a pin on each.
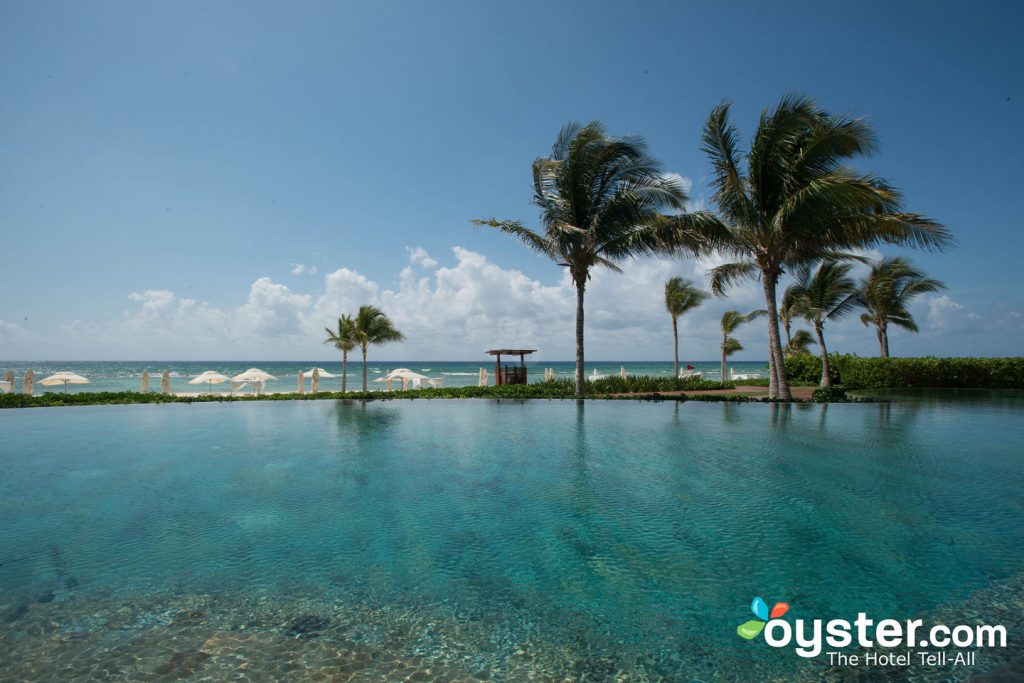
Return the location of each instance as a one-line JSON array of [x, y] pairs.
[[510, 374]]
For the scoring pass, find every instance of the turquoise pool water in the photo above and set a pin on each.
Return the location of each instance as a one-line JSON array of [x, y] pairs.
[[478, 539]]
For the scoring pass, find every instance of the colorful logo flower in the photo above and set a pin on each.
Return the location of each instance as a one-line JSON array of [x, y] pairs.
[[759, 607]]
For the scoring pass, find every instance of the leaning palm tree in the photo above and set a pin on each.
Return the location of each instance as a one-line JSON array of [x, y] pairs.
[[681, 297], [787, 314], [344, 339], [731, 320], [372, 327], [601, 200], [825, 293], [800, 344], [794, 201], [887, 291]]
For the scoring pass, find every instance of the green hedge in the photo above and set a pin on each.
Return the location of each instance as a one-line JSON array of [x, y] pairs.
[[854, 372], [562, 388]]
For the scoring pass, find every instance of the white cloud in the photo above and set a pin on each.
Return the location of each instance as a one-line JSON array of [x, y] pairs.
[[272, 309], [682, 180], [455, 308], [419, 256], [695, 203], [944, 313], [303, 269]]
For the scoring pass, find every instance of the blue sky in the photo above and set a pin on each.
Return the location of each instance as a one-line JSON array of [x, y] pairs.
[[164, 168]]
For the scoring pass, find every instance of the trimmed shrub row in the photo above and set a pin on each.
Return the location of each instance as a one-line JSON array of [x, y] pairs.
[[854, 372]]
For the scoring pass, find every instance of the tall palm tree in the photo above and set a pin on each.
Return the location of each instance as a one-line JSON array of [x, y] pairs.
[[731, 321], [787, 314], [794, 201], [372, 327], [887, 291], [825, 293], [344, 339], [601, 200], [681, 296], [800, 344]]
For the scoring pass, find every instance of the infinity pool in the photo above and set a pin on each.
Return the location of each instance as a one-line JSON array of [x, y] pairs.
[[454, 540]]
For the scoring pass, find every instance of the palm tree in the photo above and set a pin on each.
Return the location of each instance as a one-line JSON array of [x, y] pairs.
[[800, 344], [794, 202], [887, 291], [680, 297], [600, 200], [372, 327], [826, 293], [731, 320], [787, 314], [344, 339]]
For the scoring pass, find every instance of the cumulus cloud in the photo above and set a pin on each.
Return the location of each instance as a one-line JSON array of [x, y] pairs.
[[303, 269], [695, 203], [419, 256], [456, 306], [450, 310], [272, 309], [944, 313]]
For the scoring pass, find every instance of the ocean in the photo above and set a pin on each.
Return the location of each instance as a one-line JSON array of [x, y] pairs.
[[127, 375]]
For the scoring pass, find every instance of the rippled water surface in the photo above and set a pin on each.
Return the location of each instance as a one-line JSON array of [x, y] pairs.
[[451, 540]]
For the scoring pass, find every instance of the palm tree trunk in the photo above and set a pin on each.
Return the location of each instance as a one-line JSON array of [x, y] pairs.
[[779, 382], [344, 370], [580, 287], [883, 338], [826, 371], [364, 367], [675, 337], [789, 339], [725, 337]]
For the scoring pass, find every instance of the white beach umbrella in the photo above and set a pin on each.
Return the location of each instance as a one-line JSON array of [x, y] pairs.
[[323, 373], [209, 378], [26, 382], [622, 371], [165, 383], [64, 378], [144, 385], [408, 377], [253, 376]]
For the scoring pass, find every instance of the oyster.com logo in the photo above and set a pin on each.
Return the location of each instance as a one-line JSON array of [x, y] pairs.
[[751, 629], [884, 642]]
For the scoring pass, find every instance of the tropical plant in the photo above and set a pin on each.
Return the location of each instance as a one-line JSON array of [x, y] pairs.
[[825, 293], [799, 344], [794, 201], [787, 314], [344, 339], [681, 296], [601, 200], [887, 291], [373, 328], [731, 321]]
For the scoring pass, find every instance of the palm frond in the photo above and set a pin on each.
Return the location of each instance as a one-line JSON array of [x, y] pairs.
[[728, 274]]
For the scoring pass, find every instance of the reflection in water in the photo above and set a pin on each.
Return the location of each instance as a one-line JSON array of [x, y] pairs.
[[444, 538], [365, 419], [780, 413]]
